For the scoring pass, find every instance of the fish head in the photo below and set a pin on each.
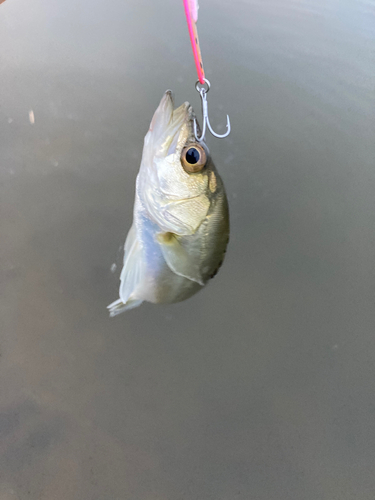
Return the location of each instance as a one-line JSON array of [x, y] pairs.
[[170, 129], [175, 168], [166, 157]]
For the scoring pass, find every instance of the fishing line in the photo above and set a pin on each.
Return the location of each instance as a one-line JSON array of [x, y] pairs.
[[202, 85]]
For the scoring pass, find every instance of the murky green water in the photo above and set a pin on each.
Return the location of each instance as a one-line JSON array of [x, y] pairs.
[[262, 386]]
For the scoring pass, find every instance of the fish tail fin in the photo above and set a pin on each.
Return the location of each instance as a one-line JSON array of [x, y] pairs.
[[118, 306], [132, 272]]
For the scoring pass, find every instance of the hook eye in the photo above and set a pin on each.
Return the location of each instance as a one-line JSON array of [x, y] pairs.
[[200, 87]]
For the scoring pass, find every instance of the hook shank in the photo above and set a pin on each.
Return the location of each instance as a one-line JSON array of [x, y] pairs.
[[206, 121]]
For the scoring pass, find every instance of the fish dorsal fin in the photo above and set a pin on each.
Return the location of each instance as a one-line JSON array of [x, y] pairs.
[[182, 260]]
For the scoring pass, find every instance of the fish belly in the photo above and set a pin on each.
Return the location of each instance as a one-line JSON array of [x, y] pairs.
[[160, 284]]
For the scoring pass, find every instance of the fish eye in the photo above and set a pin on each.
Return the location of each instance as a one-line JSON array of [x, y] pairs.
[[193, 158]]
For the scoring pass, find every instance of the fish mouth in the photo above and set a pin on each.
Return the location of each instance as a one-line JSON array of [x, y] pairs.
[[184, 112], [167, 119], [171, 129]]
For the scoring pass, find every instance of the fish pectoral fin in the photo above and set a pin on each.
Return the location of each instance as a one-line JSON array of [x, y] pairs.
[[182, 259], [132, 272]]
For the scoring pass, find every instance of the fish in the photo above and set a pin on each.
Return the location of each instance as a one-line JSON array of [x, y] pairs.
[[180, 228]]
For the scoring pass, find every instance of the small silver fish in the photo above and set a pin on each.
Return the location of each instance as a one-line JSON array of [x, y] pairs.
[[180, 225]]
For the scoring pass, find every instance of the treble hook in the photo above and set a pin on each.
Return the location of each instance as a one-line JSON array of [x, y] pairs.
[[206, 121]]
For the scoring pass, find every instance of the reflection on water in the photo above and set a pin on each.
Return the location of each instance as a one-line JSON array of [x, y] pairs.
[[262, 386]]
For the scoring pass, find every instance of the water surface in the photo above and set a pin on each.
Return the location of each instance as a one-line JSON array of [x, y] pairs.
[[263, 385]]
